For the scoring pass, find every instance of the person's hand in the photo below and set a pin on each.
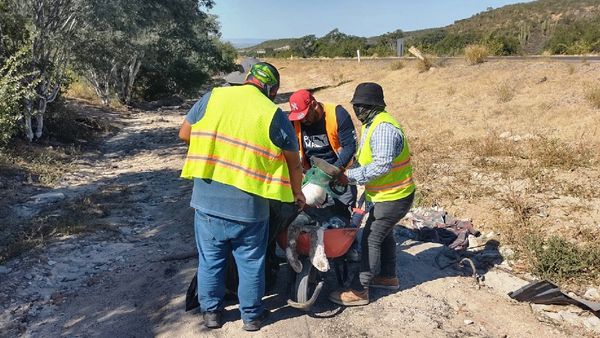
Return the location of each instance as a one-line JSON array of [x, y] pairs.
[[341, 179], [299, 200]]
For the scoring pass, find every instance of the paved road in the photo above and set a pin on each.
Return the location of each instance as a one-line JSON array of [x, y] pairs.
[[555, 58]]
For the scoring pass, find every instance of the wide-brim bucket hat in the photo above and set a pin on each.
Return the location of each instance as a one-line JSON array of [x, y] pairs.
[[368, 93]]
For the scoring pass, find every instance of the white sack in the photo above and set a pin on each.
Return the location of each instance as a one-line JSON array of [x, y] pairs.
[[315, 194]]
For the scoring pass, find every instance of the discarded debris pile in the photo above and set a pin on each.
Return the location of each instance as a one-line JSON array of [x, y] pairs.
[[437, 226], [544, 296]]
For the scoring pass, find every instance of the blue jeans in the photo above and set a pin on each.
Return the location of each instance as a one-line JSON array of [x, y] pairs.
[[216, 238]]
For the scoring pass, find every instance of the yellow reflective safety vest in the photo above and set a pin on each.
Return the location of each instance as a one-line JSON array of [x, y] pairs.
[[231, 144], [397, 183]]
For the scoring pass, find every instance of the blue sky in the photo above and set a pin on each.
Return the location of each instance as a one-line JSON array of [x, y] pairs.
[[268, 19]]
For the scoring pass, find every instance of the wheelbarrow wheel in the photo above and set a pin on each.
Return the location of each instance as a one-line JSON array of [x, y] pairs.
[[306, 281], [307, 287]]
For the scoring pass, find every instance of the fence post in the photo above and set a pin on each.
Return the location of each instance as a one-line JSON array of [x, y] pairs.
[[358, 55]]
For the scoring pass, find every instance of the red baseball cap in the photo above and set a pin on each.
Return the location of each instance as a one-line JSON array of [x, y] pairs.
[[299, 103]]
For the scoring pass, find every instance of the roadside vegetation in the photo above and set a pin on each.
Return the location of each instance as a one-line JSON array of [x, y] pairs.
[[124, 51], [332, 44], [592, 94], [476, 54], [514, 179], [71, 61], [551, 26], [505, 144]]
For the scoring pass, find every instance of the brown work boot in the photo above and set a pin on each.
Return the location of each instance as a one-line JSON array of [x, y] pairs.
[[388, 283], [349, 297]]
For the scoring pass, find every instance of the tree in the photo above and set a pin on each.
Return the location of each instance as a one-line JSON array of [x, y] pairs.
[[13, 32], [305, 46], [13, 90], [503, 45], [150, 48], [336, 43], [124, 47], [108, 53], [50, 27], [386, 43], [427, 41]]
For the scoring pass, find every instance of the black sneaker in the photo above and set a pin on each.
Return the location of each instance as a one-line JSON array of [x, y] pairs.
[[254, 325], [212, 320]]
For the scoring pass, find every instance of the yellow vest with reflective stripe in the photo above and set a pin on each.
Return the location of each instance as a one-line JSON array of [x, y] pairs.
[[397, 183], [231, 144]]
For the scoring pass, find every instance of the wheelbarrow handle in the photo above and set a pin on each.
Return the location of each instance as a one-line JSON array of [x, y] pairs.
[[307, 305]]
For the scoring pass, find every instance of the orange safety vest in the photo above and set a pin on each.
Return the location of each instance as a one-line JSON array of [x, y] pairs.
[[331, 126]]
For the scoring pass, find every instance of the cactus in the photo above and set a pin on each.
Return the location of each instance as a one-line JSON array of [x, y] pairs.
[[545, 27], [548, 27], [524, 33]]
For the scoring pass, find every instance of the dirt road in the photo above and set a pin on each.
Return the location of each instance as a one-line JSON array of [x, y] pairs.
[[116, 282]]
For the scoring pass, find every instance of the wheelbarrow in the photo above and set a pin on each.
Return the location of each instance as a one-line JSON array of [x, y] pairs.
[[307, 284]]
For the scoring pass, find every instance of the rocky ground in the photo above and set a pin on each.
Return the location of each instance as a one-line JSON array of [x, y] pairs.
[[128, 278]]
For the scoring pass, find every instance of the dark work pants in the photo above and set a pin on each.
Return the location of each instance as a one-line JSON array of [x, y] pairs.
[[378, 245]]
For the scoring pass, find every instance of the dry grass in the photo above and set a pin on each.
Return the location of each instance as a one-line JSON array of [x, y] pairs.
[[552, 152], [492, 145], [476, 54], [82, 89], [42, 166], [516, 201], [549, 257], [68, 129], [397, 65], [592, 94], [505, 91], [454, 121], [584, 61], [72, 218], [424, 65], [337, 77]]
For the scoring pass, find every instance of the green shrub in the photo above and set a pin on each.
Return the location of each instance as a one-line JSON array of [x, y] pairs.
[[502, 44], [560, 260]]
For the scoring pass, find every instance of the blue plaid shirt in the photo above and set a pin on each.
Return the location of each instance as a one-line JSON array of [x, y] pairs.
[[386, 144]]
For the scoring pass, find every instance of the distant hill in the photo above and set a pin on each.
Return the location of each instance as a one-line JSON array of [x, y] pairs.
[[558, 26], [244, 43], [276, 43], [555, 26]]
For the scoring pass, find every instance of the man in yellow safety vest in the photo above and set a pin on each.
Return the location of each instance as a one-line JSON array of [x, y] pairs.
[[242, 153], [386, 172]]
